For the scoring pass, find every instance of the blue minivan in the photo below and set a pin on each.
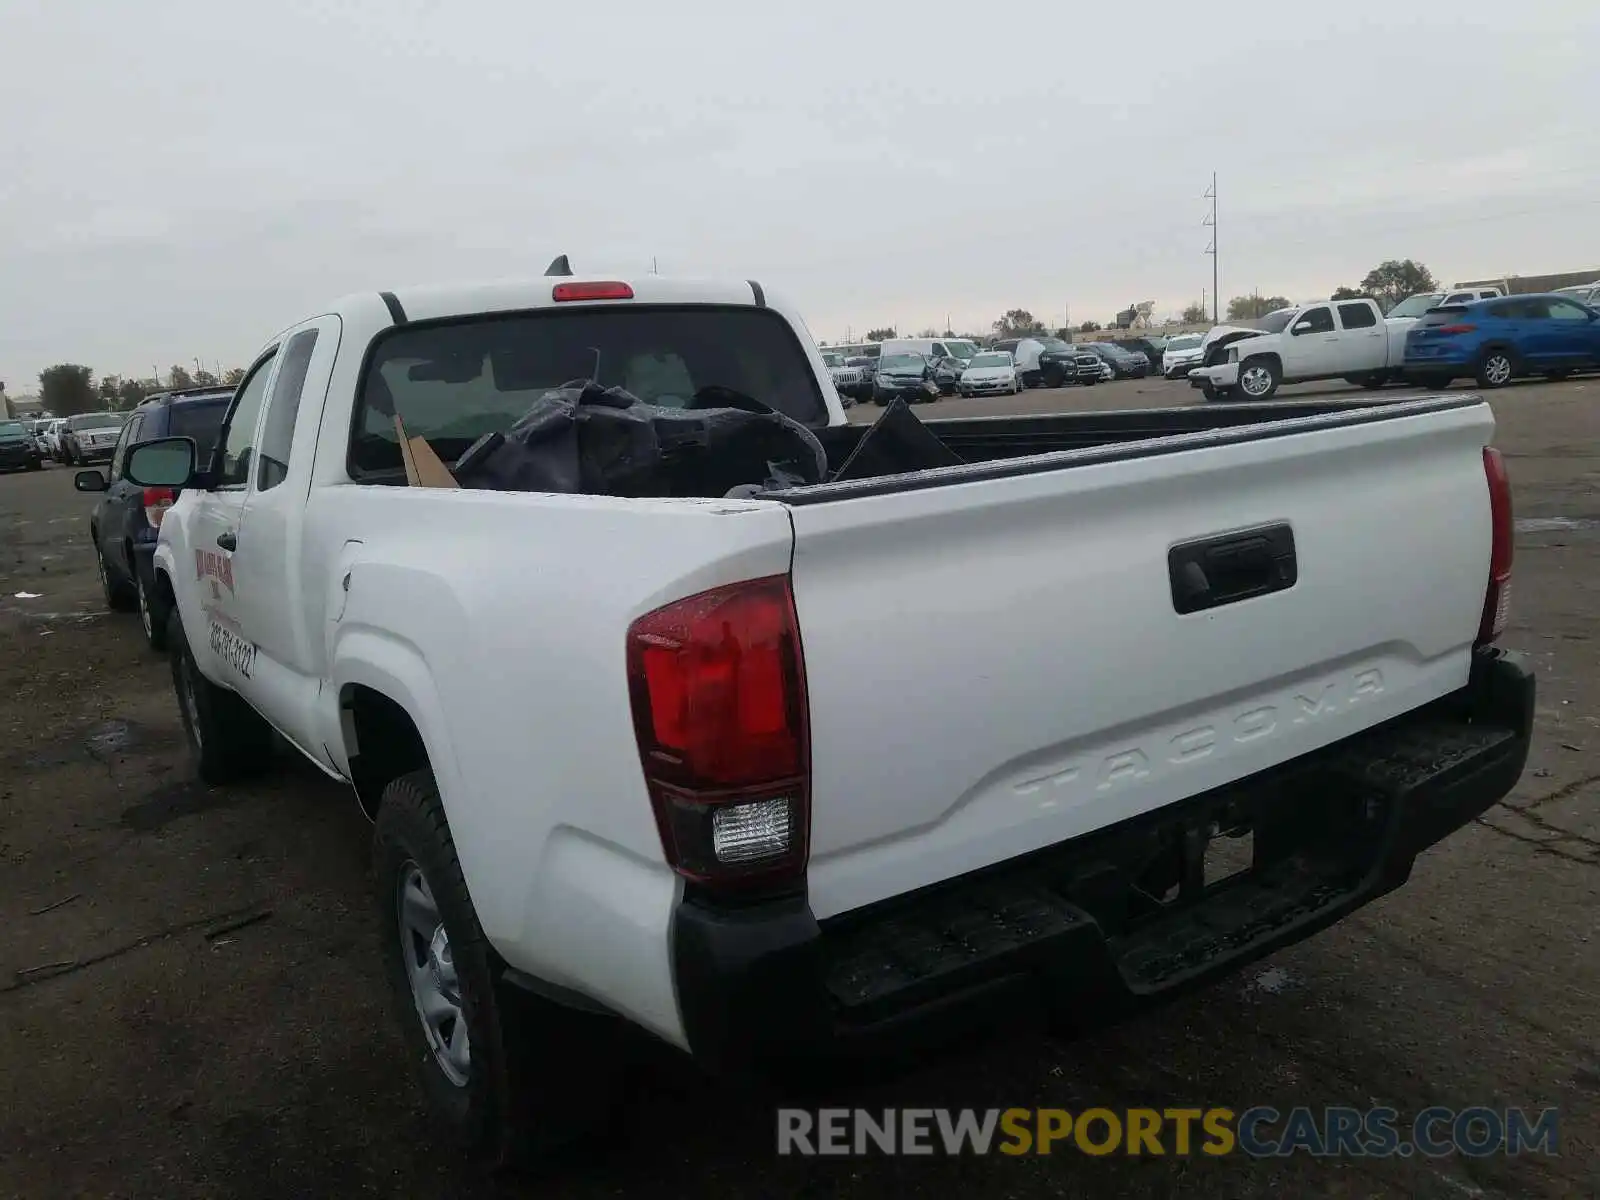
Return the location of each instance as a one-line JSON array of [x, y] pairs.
[[1493, 341]]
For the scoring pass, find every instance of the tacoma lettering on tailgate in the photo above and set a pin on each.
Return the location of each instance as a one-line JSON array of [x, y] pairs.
[[1128, 763]]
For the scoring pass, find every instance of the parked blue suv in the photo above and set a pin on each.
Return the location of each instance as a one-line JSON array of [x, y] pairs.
[[1493, 341]]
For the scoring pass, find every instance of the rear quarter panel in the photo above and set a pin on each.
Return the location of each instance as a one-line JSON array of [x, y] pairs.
[[502, 620]]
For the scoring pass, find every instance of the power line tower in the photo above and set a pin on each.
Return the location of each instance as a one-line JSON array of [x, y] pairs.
[[1211, 220]]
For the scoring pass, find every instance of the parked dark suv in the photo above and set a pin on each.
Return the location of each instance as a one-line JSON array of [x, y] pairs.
[[124, 523], [18, 450]]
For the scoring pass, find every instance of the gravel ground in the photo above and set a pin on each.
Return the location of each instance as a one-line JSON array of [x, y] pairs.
[[191, 1001]]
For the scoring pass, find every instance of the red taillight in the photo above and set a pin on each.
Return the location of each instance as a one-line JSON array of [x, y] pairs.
[[1454, 328], [591, 291], [1497, 599], [156, 502], [718, 688]]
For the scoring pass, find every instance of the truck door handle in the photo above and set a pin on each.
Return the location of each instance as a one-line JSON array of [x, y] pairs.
[[228, 541], [1210, 572]]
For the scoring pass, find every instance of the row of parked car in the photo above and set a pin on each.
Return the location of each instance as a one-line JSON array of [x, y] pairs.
[[1429, 341], [922, 369], [84, 438]]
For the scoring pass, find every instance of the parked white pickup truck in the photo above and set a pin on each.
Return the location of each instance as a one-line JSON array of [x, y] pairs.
[[1327, 339], [814, 769]]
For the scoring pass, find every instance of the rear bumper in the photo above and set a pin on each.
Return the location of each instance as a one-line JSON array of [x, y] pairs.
[[767, 986]]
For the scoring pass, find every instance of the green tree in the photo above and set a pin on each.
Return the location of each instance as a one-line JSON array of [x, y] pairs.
[[1090, 327], [1248, 308], [1196, 313], [109, 390], [204, 379], [131, 393], [66, 388], [177, 378], [1018, 322], [1392, 281], [929, 332], [232, 376], [878, 335]]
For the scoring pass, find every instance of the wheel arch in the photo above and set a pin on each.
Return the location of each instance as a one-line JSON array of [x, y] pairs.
[[390, 717], [1277, 359]]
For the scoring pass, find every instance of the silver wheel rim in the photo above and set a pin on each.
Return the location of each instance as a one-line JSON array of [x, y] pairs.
[[1255, 381], [431, 971], [145, 618], [1497, 369]]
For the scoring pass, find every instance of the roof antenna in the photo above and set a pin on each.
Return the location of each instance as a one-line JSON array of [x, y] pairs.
[[559, 266]]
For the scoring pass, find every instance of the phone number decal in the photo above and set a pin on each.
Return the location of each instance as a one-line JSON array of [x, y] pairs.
[[233, 649]]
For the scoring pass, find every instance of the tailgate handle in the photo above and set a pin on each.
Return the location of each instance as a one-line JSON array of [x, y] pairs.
[[1210, 572]]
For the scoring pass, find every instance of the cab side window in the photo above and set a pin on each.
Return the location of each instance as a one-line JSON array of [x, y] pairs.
[[277, 434], [236, 451], [1357, 316], [1320, 320]]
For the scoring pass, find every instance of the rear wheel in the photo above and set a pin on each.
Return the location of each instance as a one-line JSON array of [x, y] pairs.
[[119, 596], [153, 611], [507, 1074], [227, 738], [1495, 369]]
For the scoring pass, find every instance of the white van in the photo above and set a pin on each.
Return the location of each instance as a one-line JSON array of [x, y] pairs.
[[931, 348]]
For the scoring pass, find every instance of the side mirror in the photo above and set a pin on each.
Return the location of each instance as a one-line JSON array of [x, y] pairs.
[[165, 462], [1301, 327], [90, 481]]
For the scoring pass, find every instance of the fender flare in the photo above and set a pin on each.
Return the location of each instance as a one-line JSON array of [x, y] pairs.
[[395, 668]]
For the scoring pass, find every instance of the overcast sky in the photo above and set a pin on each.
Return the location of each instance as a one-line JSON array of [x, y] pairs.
[[180, 179]]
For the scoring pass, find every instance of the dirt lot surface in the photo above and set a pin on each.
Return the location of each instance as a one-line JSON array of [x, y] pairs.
[[190, 1002]]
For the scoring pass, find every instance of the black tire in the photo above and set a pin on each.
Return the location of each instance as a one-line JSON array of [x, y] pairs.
[[154, 611], [538, 1076], [227, 738], [1272, 373], [1495, 368], [119, 596]]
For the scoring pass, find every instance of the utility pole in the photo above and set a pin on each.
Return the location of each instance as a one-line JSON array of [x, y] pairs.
[[1216, 292]]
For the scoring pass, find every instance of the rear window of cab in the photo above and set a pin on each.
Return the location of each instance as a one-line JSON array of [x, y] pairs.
[[453, 381]]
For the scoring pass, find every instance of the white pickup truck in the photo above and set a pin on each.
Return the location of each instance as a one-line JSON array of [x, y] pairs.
[[1327, 339], [818, 769]]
